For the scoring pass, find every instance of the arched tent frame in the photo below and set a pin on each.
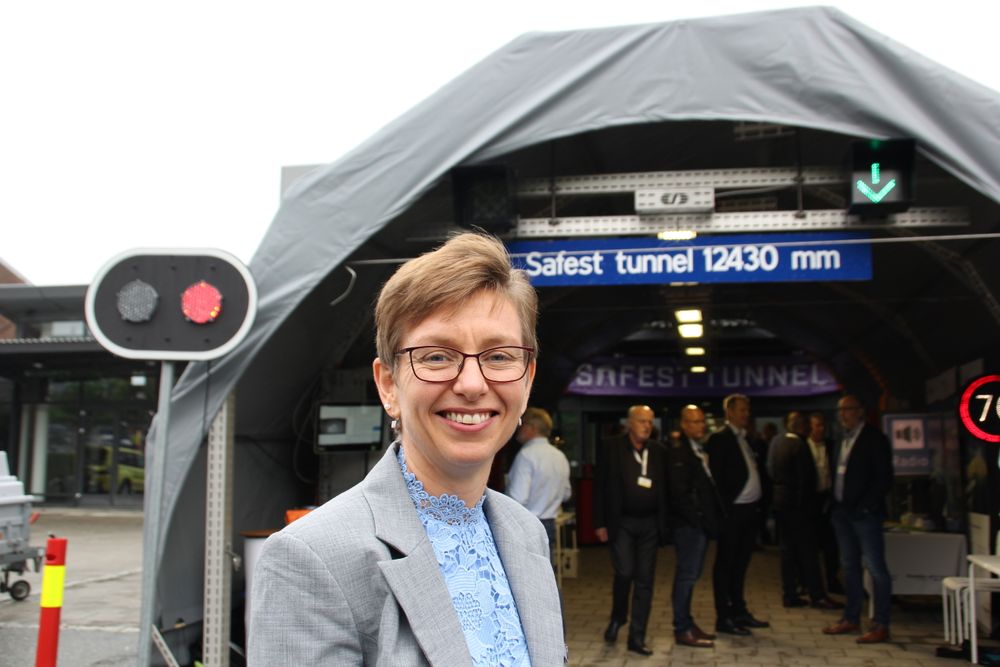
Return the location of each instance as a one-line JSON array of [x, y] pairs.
[[811, 68]]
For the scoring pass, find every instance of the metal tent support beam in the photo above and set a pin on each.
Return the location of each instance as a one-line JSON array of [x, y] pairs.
[[218, 536]]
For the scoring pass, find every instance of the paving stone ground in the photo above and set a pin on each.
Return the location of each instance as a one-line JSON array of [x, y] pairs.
[[795, 636]]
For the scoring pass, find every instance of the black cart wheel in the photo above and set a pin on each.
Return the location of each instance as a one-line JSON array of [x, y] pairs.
[[20, 589]]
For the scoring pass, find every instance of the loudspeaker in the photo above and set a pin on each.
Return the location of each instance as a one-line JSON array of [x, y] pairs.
[[484, 197]]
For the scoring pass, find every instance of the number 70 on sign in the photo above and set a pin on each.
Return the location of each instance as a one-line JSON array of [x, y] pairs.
[[984, 422], [986, 406]]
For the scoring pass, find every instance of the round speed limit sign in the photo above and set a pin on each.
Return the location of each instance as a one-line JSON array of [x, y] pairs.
[[979, 408]]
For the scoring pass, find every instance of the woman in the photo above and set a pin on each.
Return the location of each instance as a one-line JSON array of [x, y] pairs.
[[420, 563]]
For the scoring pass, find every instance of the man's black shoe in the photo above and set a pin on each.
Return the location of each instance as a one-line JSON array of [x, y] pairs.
[[794, 602], [611, 634], [826, 603], [730, 627], [639, 646], [748, 621]]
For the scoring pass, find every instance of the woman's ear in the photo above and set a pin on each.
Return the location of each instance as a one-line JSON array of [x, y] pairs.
[[529, 379], [385, 384]]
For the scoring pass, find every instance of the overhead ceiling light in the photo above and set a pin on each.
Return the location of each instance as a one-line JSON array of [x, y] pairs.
[[688, 315], [691, 330], [699, 369], [694, 351], [677, 235]]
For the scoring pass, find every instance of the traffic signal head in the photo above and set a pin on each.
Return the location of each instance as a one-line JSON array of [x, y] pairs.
[[881, 176], [484, 197], [171, 304]]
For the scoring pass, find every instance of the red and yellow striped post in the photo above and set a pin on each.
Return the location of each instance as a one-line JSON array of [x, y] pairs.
[[53, 579]]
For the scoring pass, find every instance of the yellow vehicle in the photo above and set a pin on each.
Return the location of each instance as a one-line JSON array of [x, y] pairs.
[[130, 468]]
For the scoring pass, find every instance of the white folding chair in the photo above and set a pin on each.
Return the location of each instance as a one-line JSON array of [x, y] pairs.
[[956, 602], [951, 590]]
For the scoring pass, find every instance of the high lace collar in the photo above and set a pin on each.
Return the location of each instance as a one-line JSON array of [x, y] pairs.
[[447, 508]]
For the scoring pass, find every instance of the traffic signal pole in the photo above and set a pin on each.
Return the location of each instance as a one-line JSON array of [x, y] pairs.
[[218, 536], [152, 502], [179, 304]]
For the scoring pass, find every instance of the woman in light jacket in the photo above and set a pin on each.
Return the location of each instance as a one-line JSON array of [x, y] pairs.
[[420, 563]]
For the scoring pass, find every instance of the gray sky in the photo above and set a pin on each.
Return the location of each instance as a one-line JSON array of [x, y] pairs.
[[152, 124]]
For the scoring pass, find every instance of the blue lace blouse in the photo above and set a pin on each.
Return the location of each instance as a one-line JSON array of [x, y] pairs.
[[473, 573]]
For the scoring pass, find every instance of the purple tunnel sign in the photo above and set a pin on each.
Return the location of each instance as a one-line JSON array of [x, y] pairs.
[[652, 376]]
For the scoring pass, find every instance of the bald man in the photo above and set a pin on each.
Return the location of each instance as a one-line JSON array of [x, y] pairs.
[[630, 512]]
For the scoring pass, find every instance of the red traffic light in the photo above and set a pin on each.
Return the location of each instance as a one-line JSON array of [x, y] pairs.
[[201, 303], [126, 310]]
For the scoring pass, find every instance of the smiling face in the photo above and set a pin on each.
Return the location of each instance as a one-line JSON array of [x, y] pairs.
[[452, 430]]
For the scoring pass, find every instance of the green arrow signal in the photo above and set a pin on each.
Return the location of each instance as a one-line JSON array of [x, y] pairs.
[[867, 191]]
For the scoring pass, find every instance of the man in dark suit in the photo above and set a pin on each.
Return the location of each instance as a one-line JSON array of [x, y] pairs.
[[821, 448], [737, 477], [797, 511], [862, 478], [696, 511], [630, 511]]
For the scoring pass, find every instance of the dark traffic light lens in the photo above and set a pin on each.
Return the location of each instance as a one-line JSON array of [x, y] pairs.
[[137, 301]]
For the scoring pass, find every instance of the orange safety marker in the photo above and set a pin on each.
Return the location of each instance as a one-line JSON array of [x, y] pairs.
[[53, 580]]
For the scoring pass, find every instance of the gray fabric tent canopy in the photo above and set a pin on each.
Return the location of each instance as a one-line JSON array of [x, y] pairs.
[[811, 68]]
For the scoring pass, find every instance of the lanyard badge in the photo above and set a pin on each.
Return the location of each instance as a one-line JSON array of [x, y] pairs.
[[643, 461]]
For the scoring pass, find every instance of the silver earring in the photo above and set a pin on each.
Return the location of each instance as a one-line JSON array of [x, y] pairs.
[[387, 407], [394, 425], [520, 422]]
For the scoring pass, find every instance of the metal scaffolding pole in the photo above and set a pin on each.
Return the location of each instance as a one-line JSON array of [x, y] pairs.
[[218, 536]]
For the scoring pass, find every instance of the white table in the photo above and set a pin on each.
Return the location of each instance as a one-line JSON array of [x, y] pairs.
[[253, 543], [992, 565], [918, 561], [563, 520]]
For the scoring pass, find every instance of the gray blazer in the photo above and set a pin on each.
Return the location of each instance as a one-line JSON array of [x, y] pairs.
[[356, 582]]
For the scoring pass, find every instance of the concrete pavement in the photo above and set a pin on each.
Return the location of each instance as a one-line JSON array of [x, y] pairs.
[[100, 615]]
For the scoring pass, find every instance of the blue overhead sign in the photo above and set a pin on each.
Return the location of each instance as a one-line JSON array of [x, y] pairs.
[[712, 259]]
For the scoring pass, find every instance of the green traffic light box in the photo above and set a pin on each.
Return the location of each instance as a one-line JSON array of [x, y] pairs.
[[881, 176]]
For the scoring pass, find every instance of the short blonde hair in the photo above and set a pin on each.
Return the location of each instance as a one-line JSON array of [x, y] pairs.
[[447, 277], [729, 402], [540, 419]]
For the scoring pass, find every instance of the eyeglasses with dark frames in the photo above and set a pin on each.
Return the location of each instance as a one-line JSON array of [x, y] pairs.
[[437, 363]]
